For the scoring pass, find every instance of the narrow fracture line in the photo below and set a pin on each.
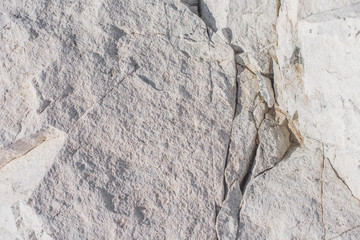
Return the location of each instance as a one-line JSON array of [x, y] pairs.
[[342, 180], [345, 232], [322, 192]]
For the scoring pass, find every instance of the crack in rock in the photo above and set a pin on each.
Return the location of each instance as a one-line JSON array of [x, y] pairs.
[[342, 180], [322, 192], [349, 230]]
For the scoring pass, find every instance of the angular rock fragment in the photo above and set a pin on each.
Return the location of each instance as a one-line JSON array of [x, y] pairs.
[[274, 143], [30, 159], [244, 132], [266, 90], [25, 145], [259, 113]]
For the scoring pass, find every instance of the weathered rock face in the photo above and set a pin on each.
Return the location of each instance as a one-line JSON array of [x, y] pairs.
[[254, 19], [147, 114], [165, 119], [330, 38]]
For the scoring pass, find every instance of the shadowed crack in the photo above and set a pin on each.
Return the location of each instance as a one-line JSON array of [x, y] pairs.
[[136, 67], [278, 6], [81, 116], [199, 8], [193, 5], [286, 155], [149, 82], [231, 129], [246, 180]]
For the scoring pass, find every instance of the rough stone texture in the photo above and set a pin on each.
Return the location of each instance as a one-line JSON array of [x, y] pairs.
[[274, 143], [254, 19], [334, 38], [271, 211], [18, 180], [265, 88], [147, 109], [289, 87], [227, 221], [169, 119], [241, 149], [341, 209], [244, 132]]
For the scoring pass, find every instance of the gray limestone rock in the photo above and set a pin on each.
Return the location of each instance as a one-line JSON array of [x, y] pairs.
[[227, 220], [285, 202], [179, 119], [146, 105], [274, 143]]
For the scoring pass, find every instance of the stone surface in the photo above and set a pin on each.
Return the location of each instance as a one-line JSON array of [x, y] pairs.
[[18, 180], [140, 107], [266, 90], [254, 19], [271, 211], [169, 119], [331, 38], [274, 143], [227, 221], [259, 113], [241, 148], [341, 208]]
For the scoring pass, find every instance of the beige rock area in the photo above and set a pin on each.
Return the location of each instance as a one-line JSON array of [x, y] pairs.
[[180, 119]]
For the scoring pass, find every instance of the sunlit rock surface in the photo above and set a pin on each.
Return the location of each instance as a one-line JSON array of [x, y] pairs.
[[168, 119]]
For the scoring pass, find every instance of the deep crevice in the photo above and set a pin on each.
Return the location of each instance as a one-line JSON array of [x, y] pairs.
[[246, 180], [225, 166], [225, 187], [199, 8], [231, 129]]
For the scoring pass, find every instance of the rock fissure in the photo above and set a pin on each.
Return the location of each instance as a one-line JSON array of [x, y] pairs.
[[227, 186], [349, 230], [199, 8], [248, 176], [286, 155], [322, 192], [182, 135], [81, 116], [342, 180]]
